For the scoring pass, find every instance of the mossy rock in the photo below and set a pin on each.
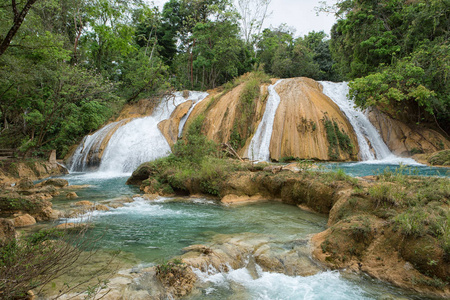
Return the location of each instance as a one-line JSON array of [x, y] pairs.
[[441, 158], [143, 172]]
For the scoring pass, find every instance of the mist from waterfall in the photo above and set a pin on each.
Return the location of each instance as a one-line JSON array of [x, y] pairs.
[[260, 144]]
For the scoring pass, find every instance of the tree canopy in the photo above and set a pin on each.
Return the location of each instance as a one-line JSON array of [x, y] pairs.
[[67, 66], [397, 54]]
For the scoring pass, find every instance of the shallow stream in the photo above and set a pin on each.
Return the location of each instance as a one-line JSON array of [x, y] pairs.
[[155, 231]]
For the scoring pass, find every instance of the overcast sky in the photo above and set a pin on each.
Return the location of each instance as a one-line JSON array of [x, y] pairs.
[[298, 14]]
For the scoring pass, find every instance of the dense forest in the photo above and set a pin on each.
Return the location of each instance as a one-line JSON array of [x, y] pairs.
[[67, 66]]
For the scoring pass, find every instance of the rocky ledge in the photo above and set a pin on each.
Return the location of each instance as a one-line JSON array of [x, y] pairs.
[[392, 226]]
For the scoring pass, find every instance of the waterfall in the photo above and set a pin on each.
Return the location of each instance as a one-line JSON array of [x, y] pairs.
[[140, 140], [131, 144], [368, 136], [197, 97], [88, 147], [260, 144]]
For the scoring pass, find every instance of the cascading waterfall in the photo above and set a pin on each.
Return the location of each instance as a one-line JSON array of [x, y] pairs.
[[260, 144], [89, 146], [197, 97], [368, 136], [136, 142]]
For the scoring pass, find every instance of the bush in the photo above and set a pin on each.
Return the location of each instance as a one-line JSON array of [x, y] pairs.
[[411, 223], [386, 195]]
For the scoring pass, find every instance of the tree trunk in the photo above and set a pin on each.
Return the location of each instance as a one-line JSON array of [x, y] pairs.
[[18, 19]]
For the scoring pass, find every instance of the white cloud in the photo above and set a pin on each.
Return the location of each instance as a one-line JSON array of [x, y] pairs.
[[298, 14]]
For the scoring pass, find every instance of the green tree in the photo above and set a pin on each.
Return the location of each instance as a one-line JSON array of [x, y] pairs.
[[400, 49]]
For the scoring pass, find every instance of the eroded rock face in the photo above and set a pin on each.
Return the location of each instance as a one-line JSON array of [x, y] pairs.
[[222, 113], [299, 128], [169, 127], [247, 249], [406, 140]]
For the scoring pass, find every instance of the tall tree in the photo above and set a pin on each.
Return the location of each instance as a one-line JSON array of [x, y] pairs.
[[253, 13], [397, 50]]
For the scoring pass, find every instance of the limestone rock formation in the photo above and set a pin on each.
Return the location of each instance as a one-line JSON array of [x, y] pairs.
[[299, 128], [169, 127], [406, 140], [24, 220], [222, 113], [95, 154]]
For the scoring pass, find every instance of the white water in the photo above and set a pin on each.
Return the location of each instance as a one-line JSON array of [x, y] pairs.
[[197, 97], [260, 144], [140, 140], [90, 143], [273, 286], [133, 143], [368, 137]]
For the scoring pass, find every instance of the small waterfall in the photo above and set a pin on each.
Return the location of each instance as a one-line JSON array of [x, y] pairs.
[[260, 144], [140, 140], [197, 97], [131, 144], [89, 147], [368, 136]]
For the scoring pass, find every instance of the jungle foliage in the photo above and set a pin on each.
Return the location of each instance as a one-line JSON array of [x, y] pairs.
[[67, 66], [397, 54]]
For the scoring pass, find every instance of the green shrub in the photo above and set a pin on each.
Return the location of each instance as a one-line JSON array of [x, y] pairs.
[[411, 222], [386, 195], [440, 158]]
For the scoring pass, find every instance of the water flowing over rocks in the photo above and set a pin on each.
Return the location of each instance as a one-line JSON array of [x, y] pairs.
[[313, 120], [245, 250], [363, 234], [406, 140], [169, 128]]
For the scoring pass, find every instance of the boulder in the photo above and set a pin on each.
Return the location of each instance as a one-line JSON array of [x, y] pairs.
[[24, 220], [7, 231], [56, 182], [73, 195], [84, 203]]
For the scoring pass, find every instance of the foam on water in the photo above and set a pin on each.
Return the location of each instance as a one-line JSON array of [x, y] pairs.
[[139, 207], [91, 143], [267, 285]]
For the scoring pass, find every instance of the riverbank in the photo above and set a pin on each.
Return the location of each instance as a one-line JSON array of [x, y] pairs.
[[391, 226]]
